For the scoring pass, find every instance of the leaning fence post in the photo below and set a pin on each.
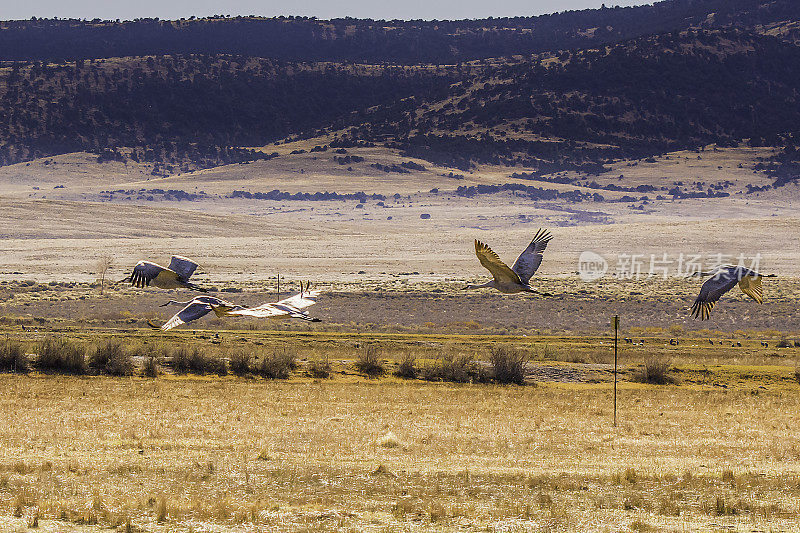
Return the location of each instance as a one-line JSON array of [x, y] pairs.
[[616, 340]]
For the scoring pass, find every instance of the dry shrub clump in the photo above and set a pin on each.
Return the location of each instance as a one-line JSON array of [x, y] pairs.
[[456, 368], [216, 365], [508, 365], [319, 368], [241, 363], [110, 357], [196, 361], [368, 361], [13, 357], [720, 506], [407, 367], [278, 365], [184, 359], [59, 354], [151, 367], [654, 371]]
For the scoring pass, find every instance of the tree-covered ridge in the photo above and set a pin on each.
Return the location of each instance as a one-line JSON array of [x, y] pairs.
[[634, 99], [171, 103], [733, 75], [365, 40]]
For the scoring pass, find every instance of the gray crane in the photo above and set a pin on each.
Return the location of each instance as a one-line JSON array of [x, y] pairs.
[[176, 276], [514, 279], [722, 280], [291, 307], [195, 308]]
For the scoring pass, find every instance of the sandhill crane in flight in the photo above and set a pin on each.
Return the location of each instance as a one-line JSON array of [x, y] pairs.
[[291, 307], [514, 279], [194, 309], [722, 280], [174, 277]]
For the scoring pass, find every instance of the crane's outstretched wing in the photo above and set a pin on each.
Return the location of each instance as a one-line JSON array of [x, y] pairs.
[[182, 266], [261, 311], [144, 272], [711, 291], [193, 311], [529, 260], [491, 262], [751, 286], [272, 311], [211, 300], [301, 300]]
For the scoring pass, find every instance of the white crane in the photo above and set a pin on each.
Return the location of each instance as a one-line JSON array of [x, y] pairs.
[[514, 279], [291, 307], [175, 276], [723, 279]]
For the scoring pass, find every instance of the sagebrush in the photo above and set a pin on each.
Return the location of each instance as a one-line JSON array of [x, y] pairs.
[[508, 365], [59, 354], [13, 357], [368, 361]]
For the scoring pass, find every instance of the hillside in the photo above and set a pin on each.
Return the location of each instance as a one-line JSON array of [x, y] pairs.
[[180, 109], [573, 91], [584, 108], [408, 42]]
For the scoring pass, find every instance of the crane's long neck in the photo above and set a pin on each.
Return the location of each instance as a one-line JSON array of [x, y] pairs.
[[488, 284], [701, 274], [174, 302], [195, 287]]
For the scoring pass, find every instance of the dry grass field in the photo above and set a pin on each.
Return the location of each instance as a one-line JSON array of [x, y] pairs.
[[227, 454], [713, 449]]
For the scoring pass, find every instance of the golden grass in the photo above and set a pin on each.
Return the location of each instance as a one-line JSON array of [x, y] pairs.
[[170, 453], [331, 454]]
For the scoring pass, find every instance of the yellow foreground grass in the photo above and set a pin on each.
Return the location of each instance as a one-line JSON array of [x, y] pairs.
[[232, 454]]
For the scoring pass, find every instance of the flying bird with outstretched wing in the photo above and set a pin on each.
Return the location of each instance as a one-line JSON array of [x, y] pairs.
[[194, 309], [722, 280], [176, 276], [292, 307], [515, 279]]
